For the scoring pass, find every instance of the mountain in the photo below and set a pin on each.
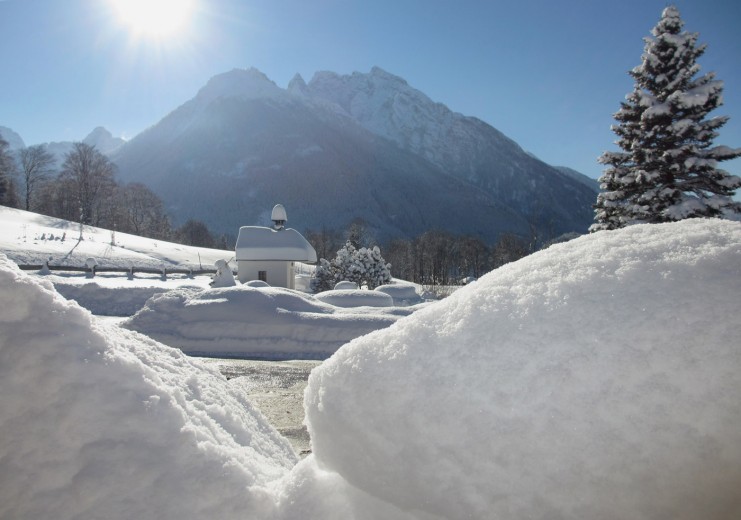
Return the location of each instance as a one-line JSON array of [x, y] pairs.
[[344, 147], [14, 140], [580, 177], [101, 138]]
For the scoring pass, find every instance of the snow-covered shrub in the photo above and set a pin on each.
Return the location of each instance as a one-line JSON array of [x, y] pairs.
[[355, 298], [324, 277], [364, 266], [403, 294]]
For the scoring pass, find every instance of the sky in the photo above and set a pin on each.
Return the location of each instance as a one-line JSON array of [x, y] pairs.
[[548, 74]]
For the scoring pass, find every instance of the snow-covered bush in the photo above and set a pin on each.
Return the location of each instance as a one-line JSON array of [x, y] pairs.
[[364, 266], [349, 298], [324, 277], [402, 294]]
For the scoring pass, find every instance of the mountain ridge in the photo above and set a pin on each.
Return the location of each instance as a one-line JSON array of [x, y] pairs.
[[343, 147], [378, 147]]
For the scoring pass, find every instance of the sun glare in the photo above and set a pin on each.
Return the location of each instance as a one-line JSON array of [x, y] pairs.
[[159, 19]]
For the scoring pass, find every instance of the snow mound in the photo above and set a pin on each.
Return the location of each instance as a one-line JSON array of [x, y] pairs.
[[243, 321], [599, 378], [355, 298], [402, 294], [99, 422], [107, 301], [346, 285]]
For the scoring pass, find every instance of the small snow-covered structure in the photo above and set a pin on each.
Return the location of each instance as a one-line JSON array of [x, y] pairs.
[[270, 254], [223, 276]]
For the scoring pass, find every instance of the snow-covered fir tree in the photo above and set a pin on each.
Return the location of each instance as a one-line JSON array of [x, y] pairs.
[[375, 270], [667, 170], [364, 266], [324, 277]]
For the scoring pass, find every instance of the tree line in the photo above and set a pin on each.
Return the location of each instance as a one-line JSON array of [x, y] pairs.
[[433, 258], [84, 189]]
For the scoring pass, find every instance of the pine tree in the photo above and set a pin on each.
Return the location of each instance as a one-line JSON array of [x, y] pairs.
[[667, 170]]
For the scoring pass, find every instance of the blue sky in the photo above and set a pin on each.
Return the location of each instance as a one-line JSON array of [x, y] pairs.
[[549, 74]]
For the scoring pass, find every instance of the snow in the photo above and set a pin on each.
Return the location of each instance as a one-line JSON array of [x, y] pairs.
[[598, 378], [30, 238], [100, 422], [403, 294], [223, 276], [259, 322], [262, 243], [355, 298]]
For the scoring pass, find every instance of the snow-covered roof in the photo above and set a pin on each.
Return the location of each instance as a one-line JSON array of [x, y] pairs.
[[262, 243]]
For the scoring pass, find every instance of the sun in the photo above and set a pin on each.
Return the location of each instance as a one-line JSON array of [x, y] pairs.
[[157, 19]]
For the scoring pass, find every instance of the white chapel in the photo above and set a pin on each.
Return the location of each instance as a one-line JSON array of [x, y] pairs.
[[270, 254]]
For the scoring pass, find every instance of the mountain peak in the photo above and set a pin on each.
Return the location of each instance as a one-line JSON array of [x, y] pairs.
[[378, 73], [103, 140], [297, 85], [245, 83]]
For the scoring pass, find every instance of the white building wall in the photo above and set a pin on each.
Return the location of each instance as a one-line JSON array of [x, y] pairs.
[[279, 273]]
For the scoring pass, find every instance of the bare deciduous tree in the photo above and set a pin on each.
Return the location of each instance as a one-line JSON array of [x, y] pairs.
[[90, 175], [7, 171], [36, 166]]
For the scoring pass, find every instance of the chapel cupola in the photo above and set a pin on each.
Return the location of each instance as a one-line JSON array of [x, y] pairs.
[[279, 217]]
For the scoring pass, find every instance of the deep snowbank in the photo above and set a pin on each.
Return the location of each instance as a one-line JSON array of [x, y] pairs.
[[597, 379], [257, 322], [99, 422]]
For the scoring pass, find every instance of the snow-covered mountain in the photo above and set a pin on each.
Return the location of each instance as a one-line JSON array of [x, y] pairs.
[[100, 138], [343, 147]]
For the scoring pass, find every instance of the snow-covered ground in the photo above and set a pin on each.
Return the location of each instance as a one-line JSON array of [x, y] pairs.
[[30, 238], [596, 379], [184, 311]]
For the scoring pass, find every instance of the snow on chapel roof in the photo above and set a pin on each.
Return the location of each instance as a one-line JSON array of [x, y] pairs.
[[262, 243], [278, 243]]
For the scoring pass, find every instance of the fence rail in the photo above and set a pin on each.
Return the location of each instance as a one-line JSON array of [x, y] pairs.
[[164, 271]]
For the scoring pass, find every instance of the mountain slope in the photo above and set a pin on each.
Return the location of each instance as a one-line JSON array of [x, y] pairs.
[[365, 146]]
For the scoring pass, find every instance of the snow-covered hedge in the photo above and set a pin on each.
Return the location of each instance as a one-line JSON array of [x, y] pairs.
[[355, 298]]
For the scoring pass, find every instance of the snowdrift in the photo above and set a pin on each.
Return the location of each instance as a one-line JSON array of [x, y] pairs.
[[99, 422], [596, 379], [256, 322]]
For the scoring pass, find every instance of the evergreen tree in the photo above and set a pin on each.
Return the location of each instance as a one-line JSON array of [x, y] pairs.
[[364, 266], [667, 170], [324, 277], [374, 269]]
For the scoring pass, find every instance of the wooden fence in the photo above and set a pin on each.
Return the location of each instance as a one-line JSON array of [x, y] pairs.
[[164, 271]]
